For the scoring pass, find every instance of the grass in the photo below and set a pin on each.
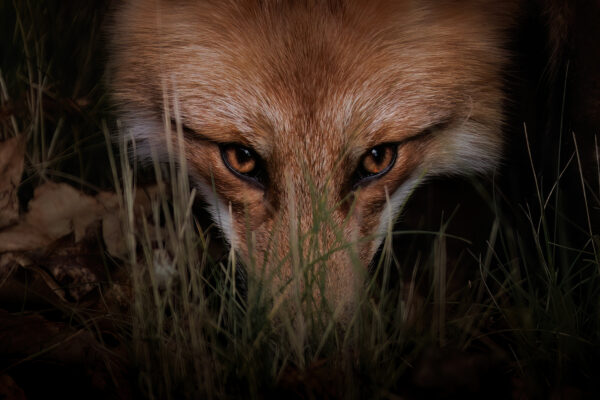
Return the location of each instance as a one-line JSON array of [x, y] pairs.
[[515, 312]]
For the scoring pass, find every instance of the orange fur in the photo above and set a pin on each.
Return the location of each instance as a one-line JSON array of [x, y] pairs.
[[311, 86]]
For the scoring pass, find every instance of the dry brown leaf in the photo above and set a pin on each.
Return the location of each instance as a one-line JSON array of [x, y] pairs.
[[56, 210], [113, 218], [57, 240], [9, 262], [76, 268], [112, 233], [12, 156], [112, 229]]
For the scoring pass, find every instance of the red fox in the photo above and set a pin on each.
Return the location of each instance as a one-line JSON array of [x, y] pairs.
[[289, 108]]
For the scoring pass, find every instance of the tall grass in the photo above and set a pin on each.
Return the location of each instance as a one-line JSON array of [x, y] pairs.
[[51, 89], [203, 327], [200, 326]]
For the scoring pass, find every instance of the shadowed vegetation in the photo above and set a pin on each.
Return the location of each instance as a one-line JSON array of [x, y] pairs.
[[483, 288]]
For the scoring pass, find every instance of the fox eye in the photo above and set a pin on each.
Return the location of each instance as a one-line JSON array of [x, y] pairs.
[[242, 161], [376, 162]]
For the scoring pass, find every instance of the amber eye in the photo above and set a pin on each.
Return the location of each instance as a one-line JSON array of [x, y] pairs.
[[376, 162], [378, 159], [242, 161]]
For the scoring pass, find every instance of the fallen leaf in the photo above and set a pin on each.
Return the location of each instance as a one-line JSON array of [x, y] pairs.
[[112, 225], [113, 220], [76, 268], [12, 156], [55, 211], [58, 209], [9, 262]]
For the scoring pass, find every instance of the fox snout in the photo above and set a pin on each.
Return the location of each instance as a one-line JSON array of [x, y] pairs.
[[309, 248]]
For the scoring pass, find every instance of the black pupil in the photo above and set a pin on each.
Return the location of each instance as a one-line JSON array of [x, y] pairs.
[[243, 155], [378, 154]]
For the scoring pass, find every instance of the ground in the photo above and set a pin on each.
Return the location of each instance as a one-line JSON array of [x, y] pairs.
[[111, 287]]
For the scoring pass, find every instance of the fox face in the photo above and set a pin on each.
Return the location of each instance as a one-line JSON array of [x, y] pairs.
[[308, 123]]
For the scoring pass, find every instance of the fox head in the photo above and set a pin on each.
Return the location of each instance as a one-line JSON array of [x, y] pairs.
[[307, 123]]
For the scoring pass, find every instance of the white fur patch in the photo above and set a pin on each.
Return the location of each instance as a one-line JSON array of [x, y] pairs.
[[392, 208], [468, 148], [146, 133], [219, 212], [148, 136]]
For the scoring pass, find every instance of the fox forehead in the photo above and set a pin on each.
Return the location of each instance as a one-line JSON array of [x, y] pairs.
[[347, 74]]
